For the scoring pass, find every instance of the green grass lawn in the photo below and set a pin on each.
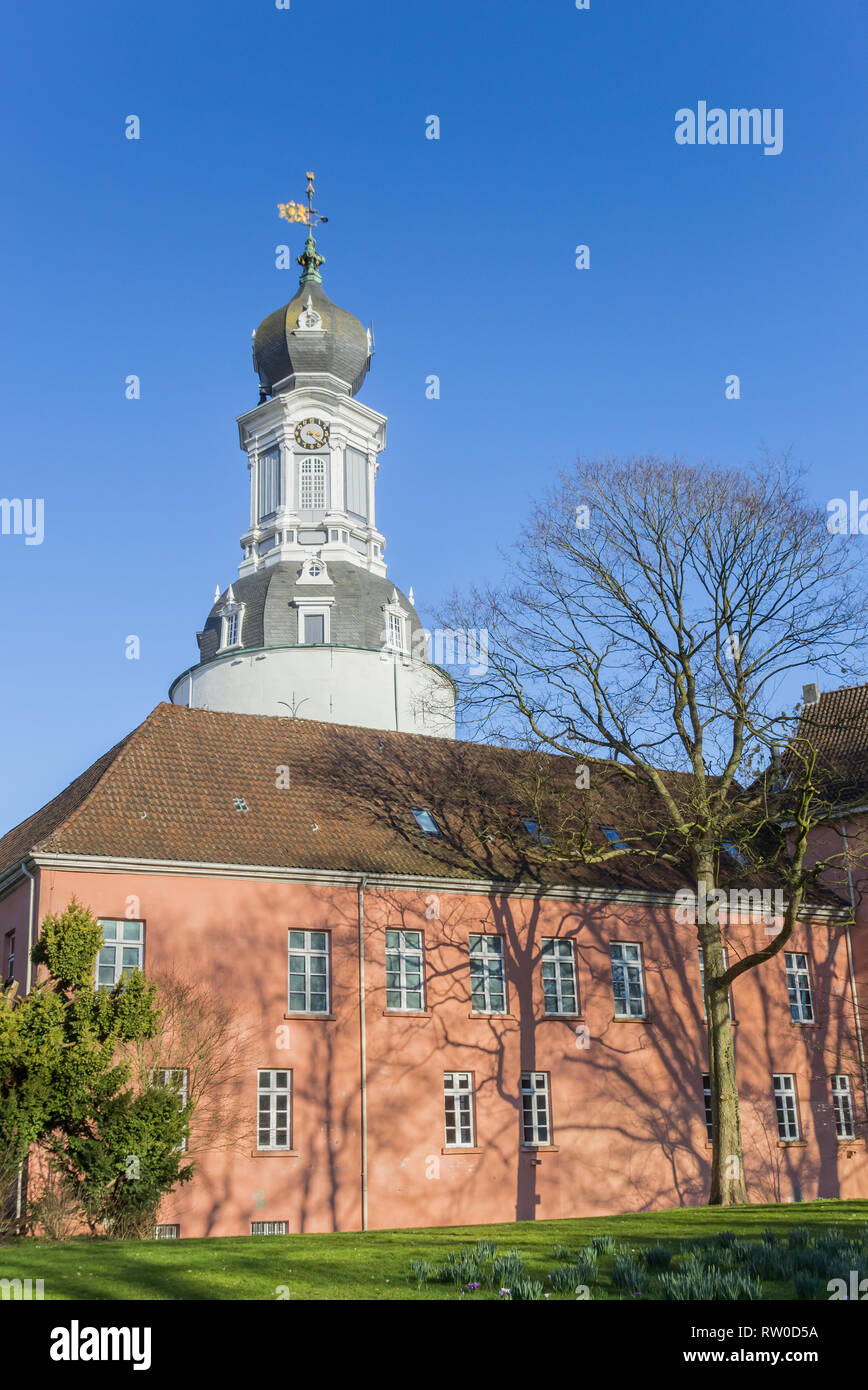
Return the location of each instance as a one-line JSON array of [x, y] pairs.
[[375, 1265]]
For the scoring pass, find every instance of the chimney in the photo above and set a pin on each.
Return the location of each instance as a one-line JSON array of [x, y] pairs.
[[810, 695]]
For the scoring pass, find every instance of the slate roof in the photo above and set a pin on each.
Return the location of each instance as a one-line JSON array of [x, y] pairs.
[[167, 792], [341, 349], [271, 620]]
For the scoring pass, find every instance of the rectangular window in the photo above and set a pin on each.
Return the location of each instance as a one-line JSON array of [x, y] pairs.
[[487, 986], [613, 836], [273, 1114], [702, 981], [124, 950], [533, 829], [268, 1228], [734, 852], [308, 972], [536, 1120], [176, 1078], [312, 485], [842, 1103], [269, 482], [706, 1097], [799, 987], [396, 631], [559, 976], [628, 985], [425, 821], [404, 988], [458, 1107], [314, 629], [167, 1232], [9, 954], [785, 1106], [356, 479], [231, 629]]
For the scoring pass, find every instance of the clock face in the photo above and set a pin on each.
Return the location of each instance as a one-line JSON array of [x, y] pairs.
[[312, 433]]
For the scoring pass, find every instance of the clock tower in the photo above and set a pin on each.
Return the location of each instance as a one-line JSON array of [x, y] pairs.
[[313, 627]]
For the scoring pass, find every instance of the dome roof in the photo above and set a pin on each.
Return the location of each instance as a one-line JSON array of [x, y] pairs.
[[310, 334], [271, 618]]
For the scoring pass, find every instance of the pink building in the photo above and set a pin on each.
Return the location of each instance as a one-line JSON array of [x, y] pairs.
[[436, 1027], [434, 1037]]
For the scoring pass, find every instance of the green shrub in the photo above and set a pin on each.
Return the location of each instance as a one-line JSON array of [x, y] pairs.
[[423, 1271], [807, 1286], [604, 1245], [627, 1273], [525, 1290], [561, 1252], [698, 1282], [485, 1250]]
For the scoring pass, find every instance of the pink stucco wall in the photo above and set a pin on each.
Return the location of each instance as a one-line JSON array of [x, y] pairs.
[[627, 1110]]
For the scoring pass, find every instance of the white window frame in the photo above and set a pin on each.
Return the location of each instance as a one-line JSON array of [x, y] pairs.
[[120, 944], [459, 1123], [309, 952], [623, 964], [799, 987], [314, 608], [787, 1107], [706, 1097], [702, 982], [560, 951], [9, 951], [487, 956], [271, 1091], [172, 1232], [405, 958], [536, 1110], [268, 472], [312, 483], [269, 1228], [166, 1077], [842, 1106]]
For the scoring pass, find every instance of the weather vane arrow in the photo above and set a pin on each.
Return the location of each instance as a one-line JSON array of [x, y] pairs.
[[310, 260]]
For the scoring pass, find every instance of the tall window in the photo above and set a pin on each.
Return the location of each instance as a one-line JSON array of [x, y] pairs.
[[356, 483], [799, 987], [785, 1106], [706, 1097], [312, 485], [487, 986], [308, 972], [231, 629], [395, 631], [314, 629], [9, 963], [273, 1110], [269, 482], [702, 981], [536, 1119], [842, 1104], [458, 1109], [559, 976], [404, 970], [122, 952], [628, 985], [176, 1079]]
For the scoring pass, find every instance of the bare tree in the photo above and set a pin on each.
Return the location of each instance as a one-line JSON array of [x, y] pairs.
[[653, 616]]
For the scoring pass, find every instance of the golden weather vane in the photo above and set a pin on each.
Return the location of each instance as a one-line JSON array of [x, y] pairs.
[[297, 212]]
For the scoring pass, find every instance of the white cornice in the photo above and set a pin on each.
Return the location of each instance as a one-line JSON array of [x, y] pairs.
[[86, 863]]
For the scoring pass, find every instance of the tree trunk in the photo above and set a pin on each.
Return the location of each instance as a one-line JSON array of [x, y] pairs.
[[728, 1187]]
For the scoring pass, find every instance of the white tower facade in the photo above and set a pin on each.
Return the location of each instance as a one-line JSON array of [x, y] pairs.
[[312, 628]]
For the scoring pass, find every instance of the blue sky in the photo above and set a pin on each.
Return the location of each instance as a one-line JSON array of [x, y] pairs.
[[156, 257]]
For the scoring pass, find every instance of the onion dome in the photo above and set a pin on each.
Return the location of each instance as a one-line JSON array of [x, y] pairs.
[[310, 335]]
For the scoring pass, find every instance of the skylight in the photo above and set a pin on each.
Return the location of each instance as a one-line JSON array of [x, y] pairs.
[[425, 821], [734, 852], [613, 836], [533, 829]]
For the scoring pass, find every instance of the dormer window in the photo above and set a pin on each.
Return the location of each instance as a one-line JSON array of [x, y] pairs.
[[613, 836], [396, 631], [394, 625], [231, 617], [734, 852]]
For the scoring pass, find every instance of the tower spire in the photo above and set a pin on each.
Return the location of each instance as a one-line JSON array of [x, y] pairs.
[[310, 260]]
